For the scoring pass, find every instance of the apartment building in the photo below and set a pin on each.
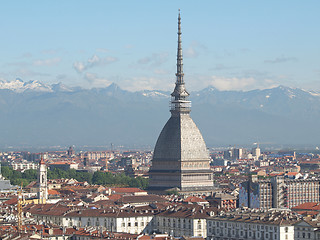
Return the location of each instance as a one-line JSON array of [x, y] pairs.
[[129, 220], [184, 220], [252, 224], [277, 192]]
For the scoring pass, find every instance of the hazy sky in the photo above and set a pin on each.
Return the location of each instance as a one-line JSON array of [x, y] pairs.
[[230, 44]]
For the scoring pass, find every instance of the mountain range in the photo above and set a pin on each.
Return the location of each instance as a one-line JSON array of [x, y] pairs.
[[37, 114]]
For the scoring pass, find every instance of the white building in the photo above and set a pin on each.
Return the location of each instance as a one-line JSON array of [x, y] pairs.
[[24, 165], [129, 220], [183, 220], [252, 224]]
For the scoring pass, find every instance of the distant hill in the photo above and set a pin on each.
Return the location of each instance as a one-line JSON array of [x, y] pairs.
[[33, 113]]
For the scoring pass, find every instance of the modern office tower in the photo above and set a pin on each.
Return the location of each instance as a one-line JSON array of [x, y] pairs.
[[256, 152]]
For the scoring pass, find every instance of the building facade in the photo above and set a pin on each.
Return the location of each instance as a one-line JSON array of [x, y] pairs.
[[24, 165], [247, 224], [278, 192]]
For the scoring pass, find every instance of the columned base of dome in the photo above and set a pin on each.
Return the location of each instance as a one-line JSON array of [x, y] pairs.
[[205, 190]]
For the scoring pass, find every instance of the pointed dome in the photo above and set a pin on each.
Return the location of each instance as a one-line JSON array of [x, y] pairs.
[[180, 139], [181, 159]]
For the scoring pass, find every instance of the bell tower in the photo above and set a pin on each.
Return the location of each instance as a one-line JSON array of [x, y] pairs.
[[42, 182]]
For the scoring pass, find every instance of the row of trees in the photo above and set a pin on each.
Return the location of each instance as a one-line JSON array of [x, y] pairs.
[[100, 178]]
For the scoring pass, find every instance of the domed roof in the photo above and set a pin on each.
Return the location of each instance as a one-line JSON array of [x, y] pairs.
[[180, 139]]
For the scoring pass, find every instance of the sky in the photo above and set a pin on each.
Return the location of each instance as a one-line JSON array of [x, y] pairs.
[[231, 45]]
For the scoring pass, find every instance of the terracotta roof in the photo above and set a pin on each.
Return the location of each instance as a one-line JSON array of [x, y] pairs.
[[12, 201], [292, 173], [61, 163], [53, 192], [126, 190], [114, 197], [311, 206], [141, 199], [194, 199]]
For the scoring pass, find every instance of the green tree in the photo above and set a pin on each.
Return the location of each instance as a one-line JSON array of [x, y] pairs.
[[30, 174]]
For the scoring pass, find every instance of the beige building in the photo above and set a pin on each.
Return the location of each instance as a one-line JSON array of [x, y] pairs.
[[129, 220], [184, 220], [251, 224]]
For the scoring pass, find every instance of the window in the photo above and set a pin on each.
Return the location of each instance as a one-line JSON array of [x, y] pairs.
[[286, 229]]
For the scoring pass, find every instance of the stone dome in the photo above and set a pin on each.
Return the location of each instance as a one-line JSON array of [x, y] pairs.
[[180, 140]]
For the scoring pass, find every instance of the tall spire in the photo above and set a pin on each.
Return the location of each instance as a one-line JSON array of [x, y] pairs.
[[179, 101], [179, 73]]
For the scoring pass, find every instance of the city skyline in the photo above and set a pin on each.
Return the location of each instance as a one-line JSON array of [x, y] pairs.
[[229, 45]]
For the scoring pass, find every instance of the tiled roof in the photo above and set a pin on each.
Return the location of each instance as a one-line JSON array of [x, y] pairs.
[[311, 206], [53, 192], [61, 163], [12, 201], [194, 199], [141, 199], [271, 217], [126, 190], [183, 211]]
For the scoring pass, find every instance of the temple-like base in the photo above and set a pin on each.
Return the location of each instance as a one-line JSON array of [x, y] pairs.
[[186, 191]]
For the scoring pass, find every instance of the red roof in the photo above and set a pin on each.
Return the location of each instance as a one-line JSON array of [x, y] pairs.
[[53, 192], [114, 197], [12, 201], [194, 199], [276, 174], [311, 206], [61, 163], [292, 173], [126, 190]]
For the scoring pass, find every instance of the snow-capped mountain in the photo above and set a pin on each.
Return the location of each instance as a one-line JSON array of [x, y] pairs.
[[36, 113], [20, 86]]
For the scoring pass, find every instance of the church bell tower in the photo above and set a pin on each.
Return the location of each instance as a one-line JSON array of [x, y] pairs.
[[42, 182]]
